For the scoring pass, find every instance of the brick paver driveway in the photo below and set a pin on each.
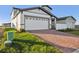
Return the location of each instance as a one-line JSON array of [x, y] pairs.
[[66, 42]]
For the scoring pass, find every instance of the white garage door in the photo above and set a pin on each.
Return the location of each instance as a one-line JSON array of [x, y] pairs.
[[70, 25], [36, 23], [61, 26]]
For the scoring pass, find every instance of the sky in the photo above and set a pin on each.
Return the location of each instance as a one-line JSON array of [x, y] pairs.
[[58, 10]]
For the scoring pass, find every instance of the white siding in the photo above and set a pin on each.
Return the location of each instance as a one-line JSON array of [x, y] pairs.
[[36, 14], [37, 11], [15, 23], [70, 23]]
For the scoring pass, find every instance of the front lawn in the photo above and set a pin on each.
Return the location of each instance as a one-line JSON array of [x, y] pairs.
[[25, 42]]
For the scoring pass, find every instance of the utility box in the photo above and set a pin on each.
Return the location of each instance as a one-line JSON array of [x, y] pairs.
[[10, 37]]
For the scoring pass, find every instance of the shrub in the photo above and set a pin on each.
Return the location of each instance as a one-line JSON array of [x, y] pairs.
[[66, 30], [22, 30]]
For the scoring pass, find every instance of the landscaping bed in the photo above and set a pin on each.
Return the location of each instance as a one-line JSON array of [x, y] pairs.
[[25, 42]]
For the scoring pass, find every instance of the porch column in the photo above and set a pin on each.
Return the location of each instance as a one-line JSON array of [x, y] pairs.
[[50, 23], [54, 22]]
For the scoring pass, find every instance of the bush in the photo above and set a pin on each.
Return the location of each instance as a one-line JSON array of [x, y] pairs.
[[66, 30], [22, 30]]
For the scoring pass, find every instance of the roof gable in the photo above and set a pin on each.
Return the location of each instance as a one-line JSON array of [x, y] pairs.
[[25, 9], [47, 6], [64, 18]]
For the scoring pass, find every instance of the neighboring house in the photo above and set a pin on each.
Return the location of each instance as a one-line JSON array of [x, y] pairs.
[[6, 24], [65, 22], [39, 18]]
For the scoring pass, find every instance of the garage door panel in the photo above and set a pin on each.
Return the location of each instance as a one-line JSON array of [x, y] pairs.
[[61, 26], [33, 24]]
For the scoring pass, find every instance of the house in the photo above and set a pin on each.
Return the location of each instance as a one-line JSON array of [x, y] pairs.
[[65, 22], [6, 24], [39, 18], [35, 18]]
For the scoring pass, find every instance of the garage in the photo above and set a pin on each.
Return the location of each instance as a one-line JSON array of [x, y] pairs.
[[36, 23], [61, 26]]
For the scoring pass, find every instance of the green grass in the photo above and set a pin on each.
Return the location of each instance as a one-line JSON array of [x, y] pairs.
[[75, 32], [25, 42]]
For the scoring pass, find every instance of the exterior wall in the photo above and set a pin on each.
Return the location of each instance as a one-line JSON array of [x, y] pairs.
[[36, 14], [61, 22], [15, 23], [70, 23], [37, 11]]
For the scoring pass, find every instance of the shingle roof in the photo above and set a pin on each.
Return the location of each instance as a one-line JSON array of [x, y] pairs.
[[47, 6], [24, 9], [64, 18]]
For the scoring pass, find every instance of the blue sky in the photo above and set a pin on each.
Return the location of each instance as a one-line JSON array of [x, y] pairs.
[[58, 10]]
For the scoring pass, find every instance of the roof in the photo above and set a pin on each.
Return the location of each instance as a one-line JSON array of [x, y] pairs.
[[24, 9], [47, 6], [64, 18]]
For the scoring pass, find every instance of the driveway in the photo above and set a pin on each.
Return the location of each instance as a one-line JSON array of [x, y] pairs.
[[65, 42]]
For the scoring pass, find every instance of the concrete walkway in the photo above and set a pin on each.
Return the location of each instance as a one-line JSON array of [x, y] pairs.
[[64, 41]]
